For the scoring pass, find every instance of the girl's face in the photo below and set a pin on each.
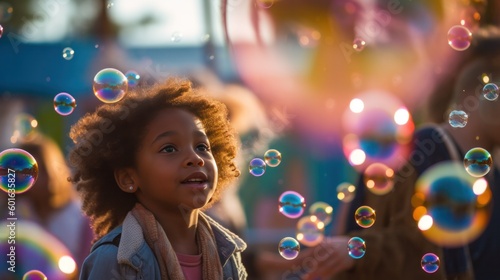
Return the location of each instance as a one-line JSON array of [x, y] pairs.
[[175, 168]]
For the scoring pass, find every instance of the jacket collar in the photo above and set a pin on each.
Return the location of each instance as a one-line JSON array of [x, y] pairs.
[[132, 239]]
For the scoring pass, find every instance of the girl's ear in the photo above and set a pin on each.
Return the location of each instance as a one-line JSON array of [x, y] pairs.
[[125, 179]]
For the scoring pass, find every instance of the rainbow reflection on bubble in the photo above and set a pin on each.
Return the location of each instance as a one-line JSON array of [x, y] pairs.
[[36, 249], [133, 78], [379, 178], [430, 263], [356, 247], [257, 167], [321, 210], [64, 103], [289, 248], [478, 162], [24, 128], [455, 204], [379, 132], [110, 85], [310, 231], [34, 275], [365, 216], [459, 37], [346, 192], [491, 91], [291, 204], [18, 170], [272, 157]]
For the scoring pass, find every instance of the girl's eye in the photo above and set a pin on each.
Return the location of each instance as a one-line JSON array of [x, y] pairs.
[[203, 147], [169, 149]]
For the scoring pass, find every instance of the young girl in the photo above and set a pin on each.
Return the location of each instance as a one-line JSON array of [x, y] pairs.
[[145, 167]]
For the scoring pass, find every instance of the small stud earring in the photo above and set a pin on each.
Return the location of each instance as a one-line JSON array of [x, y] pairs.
[[131, 188]]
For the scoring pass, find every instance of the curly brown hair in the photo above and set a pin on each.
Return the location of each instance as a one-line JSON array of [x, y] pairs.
[[108, 139]]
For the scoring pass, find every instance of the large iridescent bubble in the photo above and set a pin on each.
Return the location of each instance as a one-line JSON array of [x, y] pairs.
[[18, 171], [452, 204], [110, 85], [291, 204]]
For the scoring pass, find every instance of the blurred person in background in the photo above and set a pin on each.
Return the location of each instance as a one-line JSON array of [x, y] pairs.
[[52, 204]]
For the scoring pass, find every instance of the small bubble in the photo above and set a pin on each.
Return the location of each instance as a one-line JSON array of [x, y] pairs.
[[265, 4], [321, 210], [34, 275], [458, 119], [272, 157], [459, 38], [133, 78], [430, 263], [358, 44], [64, 103], [68, 53], [490, 91], [110, 85], [365, 216], [257, 167], [291, 204], [289, 248], [1, 31], [478, 162], [310, 231], [356, 247], [18, 170]]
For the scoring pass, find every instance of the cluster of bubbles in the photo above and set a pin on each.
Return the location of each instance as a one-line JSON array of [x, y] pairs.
[[291, 204], [365, 216], [289, 248], [110, 85], [490, 91], [430, 263], [356, 247], [459, 37], [257, 166], [458, 118], [478, 162], [18, 170], [68, 53], [64, 103]]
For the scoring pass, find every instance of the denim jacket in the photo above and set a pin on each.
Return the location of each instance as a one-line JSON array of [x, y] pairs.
[[124, 254]]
